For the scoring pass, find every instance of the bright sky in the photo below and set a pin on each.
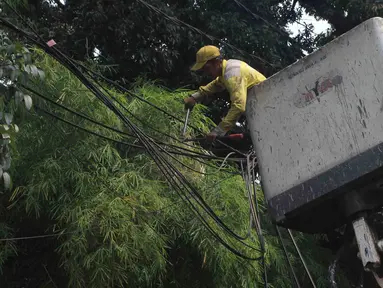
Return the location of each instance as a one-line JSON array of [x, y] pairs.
[[319, 26]]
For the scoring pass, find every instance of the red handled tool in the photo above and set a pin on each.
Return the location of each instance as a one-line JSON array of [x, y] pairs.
[[232, 136]]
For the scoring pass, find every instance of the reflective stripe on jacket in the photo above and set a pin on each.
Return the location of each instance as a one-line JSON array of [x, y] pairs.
[[237, 77]]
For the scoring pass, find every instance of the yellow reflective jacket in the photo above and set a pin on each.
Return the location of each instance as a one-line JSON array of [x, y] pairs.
[[237, 77]]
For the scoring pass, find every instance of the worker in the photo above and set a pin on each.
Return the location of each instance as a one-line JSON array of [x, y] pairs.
[[233, 75]]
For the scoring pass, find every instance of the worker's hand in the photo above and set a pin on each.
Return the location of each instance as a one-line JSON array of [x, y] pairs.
[[210, 138], [216, 132], [189, 102]]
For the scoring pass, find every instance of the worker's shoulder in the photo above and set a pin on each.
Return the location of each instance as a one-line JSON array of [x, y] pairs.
[[233, 68], [236, 68]]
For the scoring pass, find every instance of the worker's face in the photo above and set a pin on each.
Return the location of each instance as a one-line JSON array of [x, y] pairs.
[[213, 68]]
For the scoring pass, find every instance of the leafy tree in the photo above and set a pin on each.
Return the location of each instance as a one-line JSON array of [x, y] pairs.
[[343, 15], [16, 68], [135, 39]]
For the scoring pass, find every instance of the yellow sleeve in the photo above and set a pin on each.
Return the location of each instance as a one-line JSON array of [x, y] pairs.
[[238, 94], [211, 88]]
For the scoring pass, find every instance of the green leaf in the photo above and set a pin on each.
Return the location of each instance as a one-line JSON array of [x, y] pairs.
[[28, 102], [8, 118], [4, 128], [19, 96], [8, 161], [34, 70], [4, 140], [15, 128], [11, 49], [27, 58], [27, 68], [7, 181], [41, 74], [13, 75], [18, 47]]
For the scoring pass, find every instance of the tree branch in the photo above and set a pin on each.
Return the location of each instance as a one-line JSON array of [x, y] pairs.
[[293, 6], [59, 4]]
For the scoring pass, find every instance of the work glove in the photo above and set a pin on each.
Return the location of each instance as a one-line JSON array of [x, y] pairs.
[[216, 132], [190, 102], [210, 138]]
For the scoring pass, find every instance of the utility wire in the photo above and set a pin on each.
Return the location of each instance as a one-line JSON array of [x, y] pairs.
[[123, 89], [215, 185], [31, 237], [292, 272], [82, 115], [86, 130], [53, 115], [277, 29], [254, 212], [301, 258], [123, 133]]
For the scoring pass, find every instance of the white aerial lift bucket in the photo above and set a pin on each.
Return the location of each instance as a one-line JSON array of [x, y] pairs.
[[317, 129]]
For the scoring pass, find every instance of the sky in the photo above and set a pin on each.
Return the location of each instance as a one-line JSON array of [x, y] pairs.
[[319, 26]]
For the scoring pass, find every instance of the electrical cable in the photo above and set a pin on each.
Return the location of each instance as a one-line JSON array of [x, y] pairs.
[[301, 258], [31, 237], [123, 89], [256, 16], [292, 272], [165, 171], [91, 73], [255, 215], [187, 185], [82, 115], [163, 165], [116, 130], [86, 130], [121, 132], [258, 219], [192, 169]]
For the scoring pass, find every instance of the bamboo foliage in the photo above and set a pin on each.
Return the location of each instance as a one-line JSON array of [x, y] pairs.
[[118, 222]]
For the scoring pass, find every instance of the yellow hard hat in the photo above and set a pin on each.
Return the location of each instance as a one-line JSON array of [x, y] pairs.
[[205, 54]]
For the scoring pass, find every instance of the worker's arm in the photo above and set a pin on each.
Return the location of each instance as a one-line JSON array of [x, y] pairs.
[[238, 94], [203, 92]]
